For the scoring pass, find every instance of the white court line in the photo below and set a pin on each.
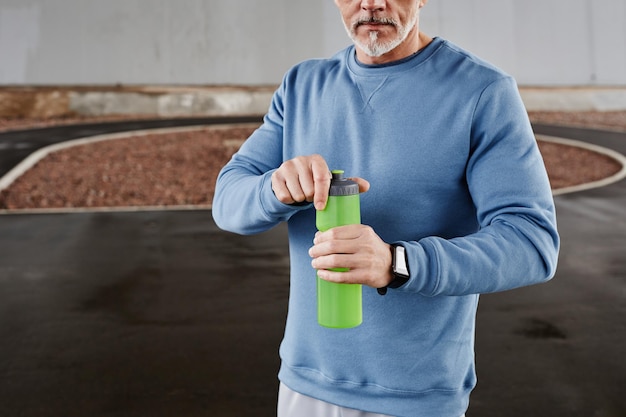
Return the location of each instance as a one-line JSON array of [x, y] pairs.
[[41, 153], [621, 174]]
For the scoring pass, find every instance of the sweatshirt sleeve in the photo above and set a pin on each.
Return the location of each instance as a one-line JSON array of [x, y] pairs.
[[517, 242], [244, 201]]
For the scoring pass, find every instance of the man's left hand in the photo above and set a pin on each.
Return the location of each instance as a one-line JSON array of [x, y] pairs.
[[356, 247]]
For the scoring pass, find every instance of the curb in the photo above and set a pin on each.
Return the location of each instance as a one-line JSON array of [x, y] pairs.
[[207, 101]]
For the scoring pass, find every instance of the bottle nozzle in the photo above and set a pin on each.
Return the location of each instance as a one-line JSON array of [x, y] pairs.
[[337, 174]]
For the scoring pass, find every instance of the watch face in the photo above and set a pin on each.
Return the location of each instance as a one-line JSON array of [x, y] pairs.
[[399, 261]]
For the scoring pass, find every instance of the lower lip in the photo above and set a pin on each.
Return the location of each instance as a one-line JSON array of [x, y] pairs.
[[373, 26]]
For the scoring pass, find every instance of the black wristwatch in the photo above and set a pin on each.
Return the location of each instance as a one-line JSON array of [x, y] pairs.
[[399, 268]]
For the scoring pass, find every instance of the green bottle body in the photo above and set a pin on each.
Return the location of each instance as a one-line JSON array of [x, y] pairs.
[[339, 306]]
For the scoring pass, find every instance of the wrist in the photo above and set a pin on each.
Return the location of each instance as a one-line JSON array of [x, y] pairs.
[[399, 269]]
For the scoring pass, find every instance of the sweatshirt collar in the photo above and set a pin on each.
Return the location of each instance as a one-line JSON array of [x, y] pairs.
[[389, 68]]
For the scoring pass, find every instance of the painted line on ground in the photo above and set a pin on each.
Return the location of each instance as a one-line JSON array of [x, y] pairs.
[[618, 157], [115, 209], [41, 153]]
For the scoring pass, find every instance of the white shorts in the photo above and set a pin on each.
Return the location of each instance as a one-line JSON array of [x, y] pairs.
[[293, 404]]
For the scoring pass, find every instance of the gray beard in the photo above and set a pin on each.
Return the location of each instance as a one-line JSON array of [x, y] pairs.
[[374, 47]]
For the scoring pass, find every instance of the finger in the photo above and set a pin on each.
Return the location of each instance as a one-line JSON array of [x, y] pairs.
[[364, 185], [295, 190], [286, 183], [281, 191], [321, 182], [334, 276], [307, 185], [330, 247], [347, 232], [352, 276], [334, 261]]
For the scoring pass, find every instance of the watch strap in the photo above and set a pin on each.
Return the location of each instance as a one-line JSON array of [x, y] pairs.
[[399, 268]]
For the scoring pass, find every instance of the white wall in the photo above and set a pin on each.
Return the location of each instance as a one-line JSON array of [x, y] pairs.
[[155, 41], [541, 42]]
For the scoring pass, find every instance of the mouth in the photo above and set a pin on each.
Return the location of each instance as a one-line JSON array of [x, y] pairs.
[[375, 22]]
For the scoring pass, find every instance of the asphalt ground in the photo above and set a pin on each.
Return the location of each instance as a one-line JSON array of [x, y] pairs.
[[160, 313]]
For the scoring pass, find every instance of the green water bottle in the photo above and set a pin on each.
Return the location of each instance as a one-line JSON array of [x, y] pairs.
[[339, 306]]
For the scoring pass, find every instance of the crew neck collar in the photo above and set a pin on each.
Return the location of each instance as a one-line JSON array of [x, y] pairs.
[[410, 61]]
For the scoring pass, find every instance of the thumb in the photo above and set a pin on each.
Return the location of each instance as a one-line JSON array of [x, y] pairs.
[[364, 185]]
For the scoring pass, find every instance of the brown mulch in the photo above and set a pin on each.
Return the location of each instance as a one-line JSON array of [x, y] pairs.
[[568, 166], [171, 169], [177, 169]]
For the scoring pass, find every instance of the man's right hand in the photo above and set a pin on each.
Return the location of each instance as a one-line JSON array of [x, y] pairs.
[[304, 178]]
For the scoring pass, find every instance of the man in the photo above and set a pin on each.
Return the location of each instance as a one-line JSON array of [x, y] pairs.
[[453, 182]]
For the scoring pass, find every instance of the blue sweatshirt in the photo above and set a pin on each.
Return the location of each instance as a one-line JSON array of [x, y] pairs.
[[456, 177]]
